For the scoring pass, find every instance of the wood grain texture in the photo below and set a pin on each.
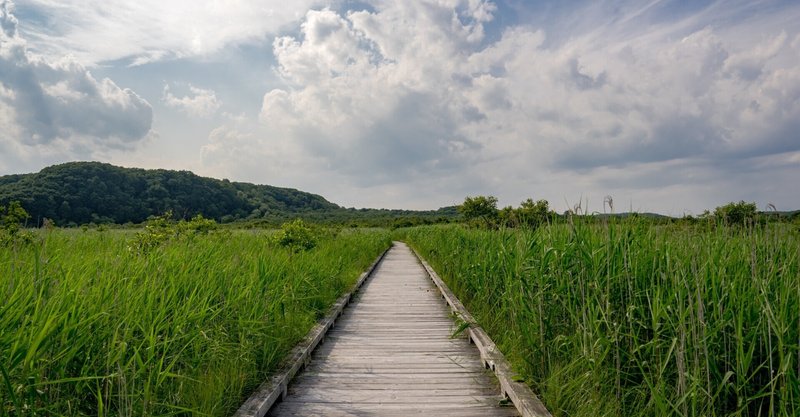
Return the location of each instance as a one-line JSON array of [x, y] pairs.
[[390, 353], [520, 394], [275, 388]]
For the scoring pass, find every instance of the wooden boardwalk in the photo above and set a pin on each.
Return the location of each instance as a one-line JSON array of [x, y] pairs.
[[390, 354]]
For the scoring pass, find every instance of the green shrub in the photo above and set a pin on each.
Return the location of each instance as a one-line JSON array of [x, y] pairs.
[[736, 213], [297, 236], [161, 229], [480, 210], [11, 219], [198, 225]]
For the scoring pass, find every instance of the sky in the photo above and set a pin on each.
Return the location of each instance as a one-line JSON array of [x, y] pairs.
[[666, 106]]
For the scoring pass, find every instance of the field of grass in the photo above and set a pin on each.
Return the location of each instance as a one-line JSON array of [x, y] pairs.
[[627, 318], [92, 325]]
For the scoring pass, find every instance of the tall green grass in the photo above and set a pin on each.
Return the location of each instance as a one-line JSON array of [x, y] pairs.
[[633, 319], [90, 327]]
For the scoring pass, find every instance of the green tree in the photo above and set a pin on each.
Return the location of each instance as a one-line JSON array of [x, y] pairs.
[[533, 214], [736, 213], [12, 217], [508, 217], [482, 209]]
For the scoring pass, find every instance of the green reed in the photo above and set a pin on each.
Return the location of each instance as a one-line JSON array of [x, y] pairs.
[[627, 318], [90, 327]]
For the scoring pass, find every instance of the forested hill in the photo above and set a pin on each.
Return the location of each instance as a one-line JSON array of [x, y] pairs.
[[84, 192]]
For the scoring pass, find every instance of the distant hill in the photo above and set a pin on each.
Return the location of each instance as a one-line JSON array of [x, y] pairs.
[[84, 192], [92, 192]]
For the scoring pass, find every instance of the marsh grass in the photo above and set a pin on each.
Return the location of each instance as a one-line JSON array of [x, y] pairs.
[[191, 327], [628, 318]]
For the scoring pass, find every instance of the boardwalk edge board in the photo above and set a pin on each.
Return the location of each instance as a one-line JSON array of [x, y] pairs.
[[275, 388], [523, 398]]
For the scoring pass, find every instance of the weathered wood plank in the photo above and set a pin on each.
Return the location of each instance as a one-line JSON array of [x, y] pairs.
[[390, 353], [389, 395], [520, 394], [395, 410], [351, 384], [259, 403]]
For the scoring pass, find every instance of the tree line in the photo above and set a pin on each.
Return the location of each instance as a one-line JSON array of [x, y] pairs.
[[91, 192], [482, 211], [83, 193]]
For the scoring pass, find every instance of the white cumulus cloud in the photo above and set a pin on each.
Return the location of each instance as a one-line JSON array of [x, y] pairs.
[[419, 103], [58, 107], [412, 91], [200, 103]]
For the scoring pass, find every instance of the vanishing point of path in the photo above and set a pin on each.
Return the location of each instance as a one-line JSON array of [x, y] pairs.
[[390, 353]]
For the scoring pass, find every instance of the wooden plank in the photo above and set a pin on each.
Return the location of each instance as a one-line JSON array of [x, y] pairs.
[[395, 357], [259, 403], [385, 370], [390, 353], [389, 382], [392, 410], [520, 394], [388, 395]]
